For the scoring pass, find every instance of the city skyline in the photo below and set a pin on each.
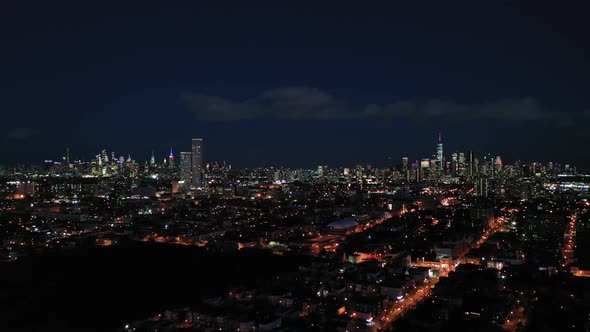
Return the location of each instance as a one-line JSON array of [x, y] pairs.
[[437, 156]]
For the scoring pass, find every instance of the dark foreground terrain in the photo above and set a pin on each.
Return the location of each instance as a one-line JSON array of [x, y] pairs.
[[103, 288]]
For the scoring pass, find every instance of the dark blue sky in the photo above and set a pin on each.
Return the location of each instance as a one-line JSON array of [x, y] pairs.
[[294, 83]]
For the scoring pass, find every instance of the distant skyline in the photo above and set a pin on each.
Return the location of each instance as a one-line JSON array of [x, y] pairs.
[[383, 162], [295, 83]]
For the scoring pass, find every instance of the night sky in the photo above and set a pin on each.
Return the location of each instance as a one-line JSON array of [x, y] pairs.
[[295, 83]]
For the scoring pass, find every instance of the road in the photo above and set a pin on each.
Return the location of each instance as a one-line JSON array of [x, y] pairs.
[[419, 293], [399, 308], [567, 257]]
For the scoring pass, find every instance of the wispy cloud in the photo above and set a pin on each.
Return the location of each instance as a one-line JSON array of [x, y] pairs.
[[297, 103], [303, 103], [19, 133]]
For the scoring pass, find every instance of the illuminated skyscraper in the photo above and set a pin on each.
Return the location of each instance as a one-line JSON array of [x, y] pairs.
[[405, 169], [498, 163], [425, 163], [320, 170], [488, 165], [482, 186], [472, 166], [171, 159], [103, 162], [152, 159], [186, 163], [197, 162], [104, 156], [454, 163], [439, 151]]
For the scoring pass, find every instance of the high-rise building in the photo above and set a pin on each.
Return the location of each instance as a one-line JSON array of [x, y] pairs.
[[439, 151], [425, 163], [152, 159], [498, 163], [482, 186], [472, 167], [454, 163], [321, 170], [186, 163], [197, 162], [346, 172], [404, 163], [171, 159], [103, 161], [417, 172], [488, 165]]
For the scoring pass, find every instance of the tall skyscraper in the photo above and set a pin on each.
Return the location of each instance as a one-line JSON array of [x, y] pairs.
[[454, 163], [197, 164], [186, 162], [482, 186], [425, 163], [439, 151], [498, 164], [472, 167], [171, 159], [152, 159], [321, 170]]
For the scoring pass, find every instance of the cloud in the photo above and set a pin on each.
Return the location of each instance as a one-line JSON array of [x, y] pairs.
[[296, 103], [303, 103], [19, 134]]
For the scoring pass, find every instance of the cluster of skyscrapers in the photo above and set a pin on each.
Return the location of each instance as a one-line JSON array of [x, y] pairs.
[[191, 166], [460, 164], [188, 171]]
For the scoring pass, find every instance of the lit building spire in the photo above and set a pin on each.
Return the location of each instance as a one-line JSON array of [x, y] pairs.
[[171, 159], [439, 151]]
